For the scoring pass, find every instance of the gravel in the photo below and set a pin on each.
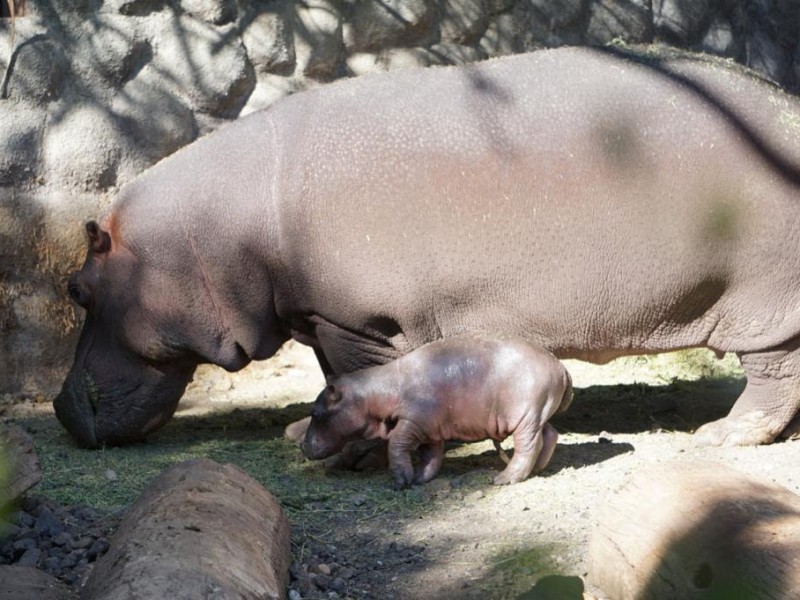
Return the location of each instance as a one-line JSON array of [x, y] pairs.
[[62, 541]]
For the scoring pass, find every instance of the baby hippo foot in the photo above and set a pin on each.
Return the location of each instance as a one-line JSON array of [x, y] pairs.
[[431, 456], [523, 463], [749, 429]]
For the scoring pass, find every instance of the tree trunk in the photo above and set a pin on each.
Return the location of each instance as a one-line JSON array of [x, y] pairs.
[[697, 530]]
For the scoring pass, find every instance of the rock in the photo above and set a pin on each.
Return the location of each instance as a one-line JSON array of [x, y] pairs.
[[380, 24], [70, 160], [318, 38], [502, 36], [39, 69], [630, 21], [155, 121], [767, 57], [218, 12], [719, 38], [24, 470], [20, 131], [29, 558], [680, 22], [170, 542], [268, 37], [463, 21], [204, 65], [24, 583], [412, 58], [133, 8], [112, 47]]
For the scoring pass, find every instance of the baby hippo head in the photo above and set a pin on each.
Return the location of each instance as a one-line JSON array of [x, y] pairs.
[[335, 420]]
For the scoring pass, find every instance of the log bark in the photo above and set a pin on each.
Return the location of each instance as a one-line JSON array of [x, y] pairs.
[[200, 530], [26, 583], [697, 530]]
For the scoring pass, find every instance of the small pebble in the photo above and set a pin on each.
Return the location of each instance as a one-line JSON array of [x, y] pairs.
[[322, 582], [30, 558], [476, 495], [294, 595], [324, 569], [111, 475], [359, 499]]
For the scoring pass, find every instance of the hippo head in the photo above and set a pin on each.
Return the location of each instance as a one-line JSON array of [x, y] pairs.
[[146, 329], [337, 417]]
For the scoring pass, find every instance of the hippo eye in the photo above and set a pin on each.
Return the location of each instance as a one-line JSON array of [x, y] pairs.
[[76, 293]]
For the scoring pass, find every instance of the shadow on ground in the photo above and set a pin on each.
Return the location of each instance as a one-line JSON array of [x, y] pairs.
[[636, 408]]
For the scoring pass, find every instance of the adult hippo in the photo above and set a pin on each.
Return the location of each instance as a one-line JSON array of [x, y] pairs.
[[595, 204]]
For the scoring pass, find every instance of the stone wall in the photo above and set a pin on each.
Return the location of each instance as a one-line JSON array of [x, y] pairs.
[[95, 91]]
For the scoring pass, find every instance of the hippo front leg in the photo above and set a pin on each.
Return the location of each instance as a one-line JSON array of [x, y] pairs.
[[404, 439], [431, 456], [768, 404]]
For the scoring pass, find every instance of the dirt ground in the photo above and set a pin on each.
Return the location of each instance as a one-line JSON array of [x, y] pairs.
[[459, 536], [481, 541]]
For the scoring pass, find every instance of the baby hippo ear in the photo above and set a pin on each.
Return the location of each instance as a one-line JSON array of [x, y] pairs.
[[99, 240], [333, 394]]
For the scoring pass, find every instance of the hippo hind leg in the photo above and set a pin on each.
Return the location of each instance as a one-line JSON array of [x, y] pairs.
[[528, 445], [768, 404]]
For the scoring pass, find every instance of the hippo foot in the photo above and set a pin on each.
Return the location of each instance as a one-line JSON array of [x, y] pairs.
[[749, 429], [504, 479], [296, 432]]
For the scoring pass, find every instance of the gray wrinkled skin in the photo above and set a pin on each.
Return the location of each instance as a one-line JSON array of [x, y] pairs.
[[590, 204]]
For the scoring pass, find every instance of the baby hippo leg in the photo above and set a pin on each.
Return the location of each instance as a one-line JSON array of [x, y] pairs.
[[431, 456], [405, 438], [549, 439], [528, 446]]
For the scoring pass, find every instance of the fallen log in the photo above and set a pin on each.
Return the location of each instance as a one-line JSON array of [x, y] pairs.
[[27, 583], [697, 530], [200, 530]]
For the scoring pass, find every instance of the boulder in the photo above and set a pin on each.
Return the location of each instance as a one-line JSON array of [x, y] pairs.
[[626, 20], [318, 38], [21, 129], [83, 148], [381, 24], [267, 35], [203, 64]]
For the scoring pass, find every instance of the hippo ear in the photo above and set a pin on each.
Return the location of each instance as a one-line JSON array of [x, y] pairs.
[[99, 240], [333, 394]]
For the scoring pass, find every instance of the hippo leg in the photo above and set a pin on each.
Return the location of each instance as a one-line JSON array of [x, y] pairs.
[[405, 438], [769, 402], [528, 445], [549, 439], [431, 456]]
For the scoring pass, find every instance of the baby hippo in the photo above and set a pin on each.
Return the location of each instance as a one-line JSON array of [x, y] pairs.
[[465, 388]]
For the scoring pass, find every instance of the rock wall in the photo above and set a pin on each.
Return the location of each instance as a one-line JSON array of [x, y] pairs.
[[95, 91]]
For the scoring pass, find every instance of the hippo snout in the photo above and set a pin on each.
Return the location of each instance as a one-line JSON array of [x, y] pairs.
[[76, 412]]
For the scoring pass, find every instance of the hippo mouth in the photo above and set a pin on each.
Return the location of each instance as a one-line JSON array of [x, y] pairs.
[[95, 414]]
